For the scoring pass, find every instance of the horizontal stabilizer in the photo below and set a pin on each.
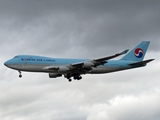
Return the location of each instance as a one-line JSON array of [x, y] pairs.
[[141, 63]]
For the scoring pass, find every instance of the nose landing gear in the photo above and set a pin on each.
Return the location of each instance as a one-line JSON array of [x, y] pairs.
[[20, 75]]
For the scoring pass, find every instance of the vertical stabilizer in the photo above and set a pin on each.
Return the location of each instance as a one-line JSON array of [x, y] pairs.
[[138, 53]]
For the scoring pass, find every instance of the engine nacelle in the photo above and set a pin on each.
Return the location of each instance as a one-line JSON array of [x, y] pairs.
[[63, 69], [88, 65], [54, 75]]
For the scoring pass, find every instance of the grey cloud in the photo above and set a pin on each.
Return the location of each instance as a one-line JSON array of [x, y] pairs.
[[93, 24]]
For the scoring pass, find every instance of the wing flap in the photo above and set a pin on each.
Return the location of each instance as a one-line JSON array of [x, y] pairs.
[[79, 67], [75, 65]]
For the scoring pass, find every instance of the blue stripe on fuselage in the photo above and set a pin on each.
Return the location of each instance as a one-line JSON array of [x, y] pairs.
[[40, 60]]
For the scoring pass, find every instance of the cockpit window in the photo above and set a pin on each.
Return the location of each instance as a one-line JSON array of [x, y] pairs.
[[16, 57]]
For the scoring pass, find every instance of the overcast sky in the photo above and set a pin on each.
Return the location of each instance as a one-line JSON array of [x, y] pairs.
[[79, 29]]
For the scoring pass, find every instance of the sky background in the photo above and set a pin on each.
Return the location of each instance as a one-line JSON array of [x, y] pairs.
[[79, 29]]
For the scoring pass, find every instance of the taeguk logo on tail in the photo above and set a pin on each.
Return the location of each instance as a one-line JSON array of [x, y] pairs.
[[138, 52]]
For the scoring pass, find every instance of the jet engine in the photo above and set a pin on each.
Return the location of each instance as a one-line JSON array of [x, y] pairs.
[[88, 64], [54, 75], [62, 69]]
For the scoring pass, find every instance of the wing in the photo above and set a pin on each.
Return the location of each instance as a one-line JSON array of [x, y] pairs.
[[95, 62], [104, 59], [84, 66]]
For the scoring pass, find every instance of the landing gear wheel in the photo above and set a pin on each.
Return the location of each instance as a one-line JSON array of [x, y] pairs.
[[77, 77], [69, 80], [20, 76]]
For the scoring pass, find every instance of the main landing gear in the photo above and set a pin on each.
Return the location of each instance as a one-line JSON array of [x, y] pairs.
[[20, 75], [78, 77], [69, 78], [75, 77]]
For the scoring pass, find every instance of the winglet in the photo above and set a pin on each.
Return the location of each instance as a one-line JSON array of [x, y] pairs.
[[124, 52]]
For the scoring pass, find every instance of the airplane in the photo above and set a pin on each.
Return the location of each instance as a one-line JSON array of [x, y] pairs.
[[56, 67]]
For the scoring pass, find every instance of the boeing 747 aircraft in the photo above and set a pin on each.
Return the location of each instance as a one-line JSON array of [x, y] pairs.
[[56, 67]]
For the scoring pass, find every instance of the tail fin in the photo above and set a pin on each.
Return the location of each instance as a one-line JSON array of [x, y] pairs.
[[138, 53]]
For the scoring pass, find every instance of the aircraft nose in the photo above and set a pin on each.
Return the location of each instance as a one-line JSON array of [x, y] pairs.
[[7, 63]]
